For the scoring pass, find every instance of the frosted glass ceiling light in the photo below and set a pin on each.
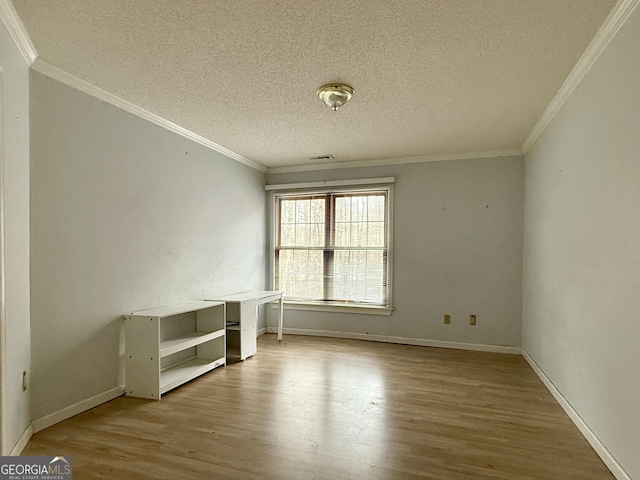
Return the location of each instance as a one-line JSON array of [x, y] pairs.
[[335, 94]]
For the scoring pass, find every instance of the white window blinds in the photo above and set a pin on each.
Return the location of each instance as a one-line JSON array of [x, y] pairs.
[[333, 246]]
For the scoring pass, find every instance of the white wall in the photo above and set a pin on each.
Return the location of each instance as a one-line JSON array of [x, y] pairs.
[[582, 249], [16, 183], [124, 216], [457, 250]]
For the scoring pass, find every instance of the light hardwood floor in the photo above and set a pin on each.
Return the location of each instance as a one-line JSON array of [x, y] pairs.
[[320, 408]]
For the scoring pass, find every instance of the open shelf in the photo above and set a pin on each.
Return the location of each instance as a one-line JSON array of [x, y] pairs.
[[185, 371], [168, 347]]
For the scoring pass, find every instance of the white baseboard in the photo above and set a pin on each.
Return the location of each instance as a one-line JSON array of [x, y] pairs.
[[22, 442], [82, 406], [591, 437], [401, 340], [261, 331]]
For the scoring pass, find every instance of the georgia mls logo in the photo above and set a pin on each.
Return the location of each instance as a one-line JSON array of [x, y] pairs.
[[35, 468], [63, 465]]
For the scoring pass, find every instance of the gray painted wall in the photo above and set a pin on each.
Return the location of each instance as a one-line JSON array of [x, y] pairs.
[[124, 216], [582, 249], [457, 250], [16, 183]]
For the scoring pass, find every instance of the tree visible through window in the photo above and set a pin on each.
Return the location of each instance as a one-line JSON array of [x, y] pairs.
[[333, 247]]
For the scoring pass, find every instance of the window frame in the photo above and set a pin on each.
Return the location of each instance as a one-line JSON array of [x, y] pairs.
[[338, 188]]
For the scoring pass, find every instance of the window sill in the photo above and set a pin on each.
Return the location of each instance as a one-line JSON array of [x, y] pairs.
[[324, 307]]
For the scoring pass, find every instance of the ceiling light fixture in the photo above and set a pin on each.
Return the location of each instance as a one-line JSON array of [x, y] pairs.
[[335, 94]]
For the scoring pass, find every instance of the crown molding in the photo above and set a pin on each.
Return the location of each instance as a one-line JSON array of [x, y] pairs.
[[396, 161], [17, 31], [614, 21], [71, 80]]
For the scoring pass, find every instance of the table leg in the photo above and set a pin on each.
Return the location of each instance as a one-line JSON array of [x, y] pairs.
[[280, 315]]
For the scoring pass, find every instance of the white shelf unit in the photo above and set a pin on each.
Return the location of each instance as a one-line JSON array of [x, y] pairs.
[[168, 346]]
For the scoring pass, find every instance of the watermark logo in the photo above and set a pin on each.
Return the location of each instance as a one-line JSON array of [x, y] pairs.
[[35, 468]]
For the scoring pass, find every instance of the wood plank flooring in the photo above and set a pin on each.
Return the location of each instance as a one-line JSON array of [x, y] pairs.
[[320, 408]]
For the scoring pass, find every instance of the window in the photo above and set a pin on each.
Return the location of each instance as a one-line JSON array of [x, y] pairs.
[[333, 247]]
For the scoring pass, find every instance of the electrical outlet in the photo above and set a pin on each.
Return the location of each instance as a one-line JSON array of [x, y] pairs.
[[24, 380], [447, 319], [472, 319]]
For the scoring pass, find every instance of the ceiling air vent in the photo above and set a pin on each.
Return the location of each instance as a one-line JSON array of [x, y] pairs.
[[322, 157]]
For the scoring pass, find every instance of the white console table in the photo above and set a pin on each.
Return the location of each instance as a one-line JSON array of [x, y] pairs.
[[242, 316]]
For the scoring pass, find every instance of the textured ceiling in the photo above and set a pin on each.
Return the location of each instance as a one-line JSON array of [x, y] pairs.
[[431, 77]]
